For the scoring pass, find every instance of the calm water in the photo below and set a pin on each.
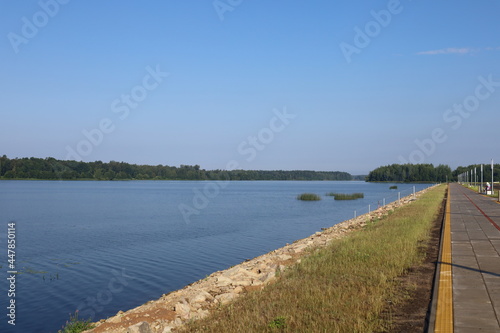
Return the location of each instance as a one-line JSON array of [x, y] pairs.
[[101, 247]]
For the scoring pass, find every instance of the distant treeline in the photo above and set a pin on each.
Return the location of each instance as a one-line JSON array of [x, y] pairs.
[[52, 169], [429, 173], [486, 171], [411, 173]]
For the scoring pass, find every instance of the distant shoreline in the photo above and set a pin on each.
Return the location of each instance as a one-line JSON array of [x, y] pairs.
[[196, 180], [401, 182], [53, 169]]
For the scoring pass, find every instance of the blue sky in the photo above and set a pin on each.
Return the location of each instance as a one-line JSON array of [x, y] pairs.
[[317, 85]]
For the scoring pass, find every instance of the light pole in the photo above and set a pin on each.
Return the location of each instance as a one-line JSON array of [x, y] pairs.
[[492, 187], [481, 178], [475, 177]]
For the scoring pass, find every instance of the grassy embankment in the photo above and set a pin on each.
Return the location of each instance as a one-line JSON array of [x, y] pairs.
[[476, 189], [342, 288]]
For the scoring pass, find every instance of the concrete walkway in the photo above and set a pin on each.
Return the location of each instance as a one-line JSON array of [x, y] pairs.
[[474, 222]]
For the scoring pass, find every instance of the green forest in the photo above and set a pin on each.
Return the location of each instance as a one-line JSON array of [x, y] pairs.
[[427, 173], [52, 169], [486, 171]]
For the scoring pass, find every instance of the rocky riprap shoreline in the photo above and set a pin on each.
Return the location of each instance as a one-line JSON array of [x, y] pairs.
[[197, 300]]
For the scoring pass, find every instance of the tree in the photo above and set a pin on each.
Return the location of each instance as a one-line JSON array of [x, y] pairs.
[[109, 175], [411, 173], [9, 175], [98, 174]]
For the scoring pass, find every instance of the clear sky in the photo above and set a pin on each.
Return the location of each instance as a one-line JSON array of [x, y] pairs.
[[318, 85]]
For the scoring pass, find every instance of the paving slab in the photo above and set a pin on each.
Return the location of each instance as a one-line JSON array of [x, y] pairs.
[[475, 241]]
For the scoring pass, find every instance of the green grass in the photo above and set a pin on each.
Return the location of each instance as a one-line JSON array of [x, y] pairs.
[[476, 189], [76, 325], [345, 287], [393, 187], [309, 197], [343, 196], [278, 323]]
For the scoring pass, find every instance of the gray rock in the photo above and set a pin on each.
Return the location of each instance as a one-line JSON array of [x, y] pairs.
[[225, 298], [182, 310], [223, 281], [142, 327], [268, 277], [231, 271], [243, 282], [284, 257], [299, 248], [200, 297], [200, 314]]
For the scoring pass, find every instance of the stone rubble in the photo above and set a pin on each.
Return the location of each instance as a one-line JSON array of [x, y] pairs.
[[197, 300]]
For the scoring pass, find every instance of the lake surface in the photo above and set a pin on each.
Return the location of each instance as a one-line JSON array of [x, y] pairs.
[[101, 247]]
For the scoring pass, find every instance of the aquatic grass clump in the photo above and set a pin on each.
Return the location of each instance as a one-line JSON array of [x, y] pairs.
[[394, 187], [76, 325], [309, 197], [344, 196]]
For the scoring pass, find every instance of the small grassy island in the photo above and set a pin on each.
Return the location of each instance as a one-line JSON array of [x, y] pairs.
[[344, 196], [309, 197]]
